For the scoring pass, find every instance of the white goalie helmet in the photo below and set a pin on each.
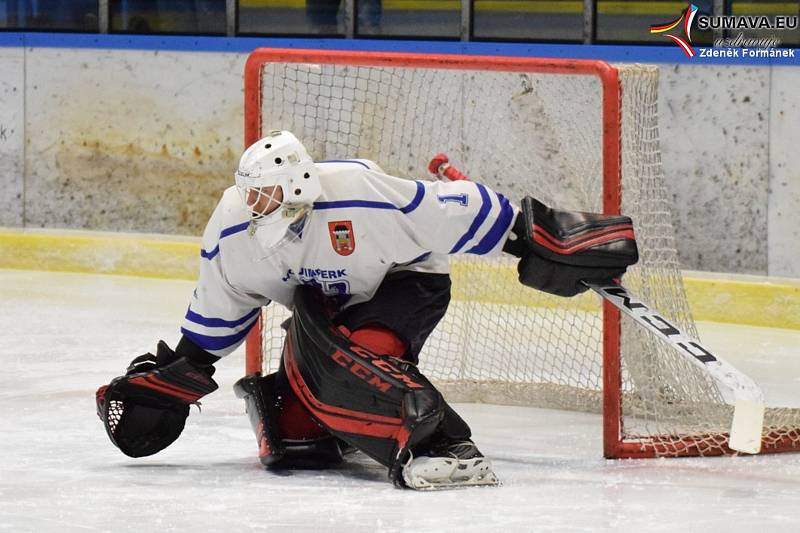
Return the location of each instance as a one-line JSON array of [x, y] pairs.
[[278, 182]]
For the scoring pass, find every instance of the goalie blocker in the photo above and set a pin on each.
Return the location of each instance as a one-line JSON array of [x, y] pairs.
[[559, 250]]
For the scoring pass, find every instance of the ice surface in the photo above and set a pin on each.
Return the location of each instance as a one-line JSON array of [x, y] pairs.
[[63, 335]]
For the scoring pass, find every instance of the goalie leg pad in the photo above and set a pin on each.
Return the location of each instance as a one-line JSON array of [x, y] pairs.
[[378, 404], [260, 400], [281, 446]]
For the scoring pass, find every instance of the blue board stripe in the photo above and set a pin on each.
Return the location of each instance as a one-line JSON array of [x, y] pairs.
[[666, 53]]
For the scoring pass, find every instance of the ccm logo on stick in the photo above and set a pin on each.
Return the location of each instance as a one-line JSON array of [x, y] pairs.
[[662, 325]]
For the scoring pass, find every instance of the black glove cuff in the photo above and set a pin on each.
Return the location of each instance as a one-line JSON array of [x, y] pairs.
[[186, 348]]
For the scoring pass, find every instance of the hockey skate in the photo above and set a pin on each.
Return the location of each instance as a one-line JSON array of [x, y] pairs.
[[453, 465]]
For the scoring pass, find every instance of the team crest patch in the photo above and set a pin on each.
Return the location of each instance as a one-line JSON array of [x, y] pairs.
[[342, 237]]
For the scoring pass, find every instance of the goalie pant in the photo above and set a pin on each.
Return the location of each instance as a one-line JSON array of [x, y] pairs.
[[381, 405]]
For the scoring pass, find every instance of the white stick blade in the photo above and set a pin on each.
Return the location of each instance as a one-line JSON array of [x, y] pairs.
[[748, 419]]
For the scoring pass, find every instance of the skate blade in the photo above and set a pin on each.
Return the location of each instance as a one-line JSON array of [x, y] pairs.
[[440, 473]]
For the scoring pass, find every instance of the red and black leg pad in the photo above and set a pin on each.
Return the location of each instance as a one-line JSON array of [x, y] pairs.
[[559, 249], [287, 435], [378, 404]]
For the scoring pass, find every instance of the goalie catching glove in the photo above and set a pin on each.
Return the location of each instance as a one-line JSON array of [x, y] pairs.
[[561, 249], [145, 410]]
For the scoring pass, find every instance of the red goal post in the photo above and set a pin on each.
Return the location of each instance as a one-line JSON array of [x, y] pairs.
[[627, 432]]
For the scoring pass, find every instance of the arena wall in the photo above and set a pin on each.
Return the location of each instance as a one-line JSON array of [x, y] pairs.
[[145, 140]]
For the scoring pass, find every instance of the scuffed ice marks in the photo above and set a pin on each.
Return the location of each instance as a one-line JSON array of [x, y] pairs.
[[65, 334]]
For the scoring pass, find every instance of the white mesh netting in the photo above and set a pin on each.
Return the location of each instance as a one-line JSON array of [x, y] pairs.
[[523, 134]]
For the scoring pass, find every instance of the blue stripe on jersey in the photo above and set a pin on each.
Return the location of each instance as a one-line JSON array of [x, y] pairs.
[[209, 342], [345, 161], [354, 203], [197, 318], [224, 233], [209, 255], [419, 259], [483, 212], [234, 229], [371, 204], [416, 201], [497, 230]]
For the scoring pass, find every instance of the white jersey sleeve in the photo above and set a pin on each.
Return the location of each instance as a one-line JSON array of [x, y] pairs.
[[450, 217], [219, 316], [464, 217]]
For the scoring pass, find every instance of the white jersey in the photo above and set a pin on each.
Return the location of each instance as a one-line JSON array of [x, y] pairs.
[[365, 225]]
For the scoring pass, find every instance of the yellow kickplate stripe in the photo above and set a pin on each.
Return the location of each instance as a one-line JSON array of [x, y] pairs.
[[497, 284], [754, 303], [768, 304], [100, 254]]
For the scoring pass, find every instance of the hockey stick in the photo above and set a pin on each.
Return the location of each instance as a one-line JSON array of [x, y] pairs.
[[748, 411], [748, 401]]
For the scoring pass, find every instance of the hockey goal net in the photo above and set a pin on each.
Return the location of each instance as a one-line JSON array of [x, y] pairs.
[[576, 134]]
